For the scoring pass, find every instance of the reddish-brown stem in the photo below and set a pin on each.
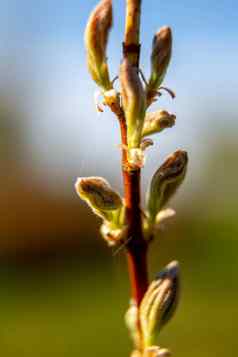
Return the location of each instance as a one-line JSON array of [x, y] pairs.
[[137, 246]]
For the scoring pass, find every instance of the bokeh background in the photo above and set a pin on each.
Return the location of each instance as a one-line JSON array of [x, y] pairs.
[[62, 293]]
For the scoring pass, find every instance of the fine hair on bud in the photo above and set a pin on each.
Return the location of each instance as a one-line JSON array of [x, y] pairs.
[[166, 181], [96, 38], [160, 58], [133, 102]]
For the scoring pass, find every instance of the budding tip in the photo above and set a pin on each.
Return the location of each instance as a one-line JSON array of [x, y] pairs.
[[171, 271]]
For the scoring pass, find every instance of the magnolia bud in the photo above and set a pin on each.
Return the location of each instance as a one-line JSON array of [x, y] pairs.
[[159, 303], [99, 195], [96, 37], [157, 121], [160, 58], [133, 102], [166, 181]]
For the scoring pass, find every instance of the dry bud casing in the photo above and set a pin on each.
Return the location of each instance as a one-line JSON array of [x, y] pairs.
[[166, 181], [96, 37], [99, 195], [159, 303], [160, 58], [133, 102], [157, 121]]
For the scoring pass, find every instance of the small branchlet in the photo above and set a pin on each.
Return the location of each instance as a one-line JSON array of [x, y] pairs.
[[159, 303], [125, 223], [96, 37]]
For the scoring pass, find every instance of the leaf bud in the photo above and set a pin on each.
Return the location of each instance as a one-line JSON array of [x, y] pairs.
[[157, 121], [159, 303], [96, 38], [166, 181], [99, 195], [160, 59]]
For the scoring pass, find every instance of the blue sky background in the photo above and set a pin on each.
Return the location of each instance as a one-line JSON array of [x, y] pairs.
[[42, 54]]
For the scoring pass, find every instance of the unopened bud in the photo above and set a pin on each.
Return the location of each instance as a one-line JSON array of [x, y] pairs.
[[96, 37], [133, 102], [157, 121], [160, 58], [159, 303], [166, 181], [99, 195]]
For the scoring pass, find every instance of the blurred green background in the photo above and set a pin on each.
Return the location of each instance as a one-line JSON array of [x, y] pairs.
[[62, 292]]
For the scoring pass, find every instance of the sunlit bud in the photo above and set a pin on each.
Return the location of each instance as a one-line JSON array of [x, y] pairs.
[[96, 37], [155, 122], [155, 351], [159, 303], [113, 236], [99, 195], [166, 181], [160, 58], [133, 102], [131, 319]]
